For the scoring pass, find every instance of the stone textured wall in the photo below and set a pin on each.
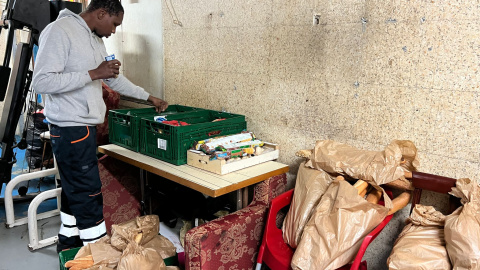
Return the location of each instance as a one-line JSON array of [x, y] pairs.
[[362, 72]]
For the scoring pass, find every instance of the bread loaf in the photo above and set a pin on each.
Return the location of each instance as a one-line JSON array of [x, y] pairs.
[[400, 201], [361, 186], [374, 196], [80, 263]]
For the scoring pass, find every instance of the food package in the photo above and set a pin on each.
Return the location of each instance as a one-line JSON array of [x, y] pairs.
[[136, 257], [462, 227], [148, 225], [100, 267], [421, 244], [103, 253], [380, 167], [163, 246], [310, 186], [209, 145], [134, 244], [334, 233]]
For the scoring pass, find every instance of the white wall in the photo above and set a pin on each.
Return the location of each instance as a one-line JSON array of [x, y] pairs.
[[138, 44]]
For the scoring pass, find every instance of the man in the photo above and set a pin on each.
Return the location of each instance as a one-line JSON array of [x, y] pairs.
[[69, 70]]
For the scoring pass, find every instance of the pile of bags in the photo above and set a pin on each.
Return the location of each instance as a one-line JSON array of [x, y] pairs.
[[431, 240], [133, 245], [329, 217]]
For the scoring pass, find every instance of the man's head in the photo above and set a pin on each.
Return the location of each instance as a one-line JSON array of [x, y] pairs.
[[104, 16]]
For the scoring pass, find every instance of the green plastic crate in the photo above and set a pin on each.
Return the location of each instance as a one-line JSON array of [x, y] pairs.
[[170, 143], [124, 124], [68, 255]]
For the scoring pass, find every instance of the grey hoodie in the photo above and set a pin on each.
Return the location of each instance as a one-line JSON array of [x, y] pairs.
[[68, 49]]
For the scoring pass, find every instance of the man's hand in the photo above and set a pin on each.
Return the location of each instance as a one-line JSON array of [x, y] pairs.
[[160, 105], [106, 70]]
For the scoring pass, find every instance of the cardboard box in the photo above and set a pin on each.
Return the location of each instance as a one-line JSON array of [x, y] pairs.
[[220, 166]]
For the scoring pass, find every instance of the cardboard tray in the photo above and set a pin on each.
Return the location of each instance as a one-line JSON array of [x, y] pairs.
[[219, 166]]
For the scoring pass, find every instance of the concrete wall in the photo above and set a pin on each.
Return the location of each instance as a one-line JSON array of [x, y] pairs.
[[369, 72]]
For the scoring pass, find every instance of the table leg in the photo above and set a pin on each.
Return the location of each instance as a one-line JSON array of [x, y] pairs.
[[245, 197], [149, 197], [239, 199], [142, 192]]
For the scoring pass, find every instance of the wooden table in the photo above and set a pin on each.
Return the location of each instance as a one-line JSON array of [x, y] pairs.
[[208, 183]]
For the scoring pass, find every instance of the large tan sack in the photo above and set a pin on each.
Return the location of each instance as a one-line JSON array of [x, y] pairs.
[[381, 167], [104, 255], [163, 246], [335, 231], [462, 227], [310, 186], [136, 257], [421, 244], [148, 225]]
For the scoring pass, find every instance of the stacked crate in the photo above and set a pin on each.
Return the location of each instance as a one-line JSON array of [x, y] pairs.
[[136, 129]]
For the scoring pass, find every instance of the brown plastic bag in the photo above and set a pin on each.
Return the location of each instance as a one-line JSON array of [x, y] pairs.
[[310, 186], [163, 246], [421, 244], [335, 231], [102, 252], [136, 257], [100, 267], [380, 167], [105, 254], [149, 226], [462, 227]]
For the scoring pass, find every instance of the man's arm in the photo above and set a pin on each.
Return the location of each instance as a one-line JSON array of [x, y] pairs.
[[125, 87], [49, 76]]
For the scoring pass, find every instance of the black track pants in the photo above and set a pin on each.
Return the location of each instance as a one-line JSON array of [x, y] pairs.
[[82, 202]]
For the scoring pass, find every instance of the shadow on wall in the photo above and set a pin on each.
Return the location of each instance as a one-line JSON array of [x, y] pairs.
[[137, 63]]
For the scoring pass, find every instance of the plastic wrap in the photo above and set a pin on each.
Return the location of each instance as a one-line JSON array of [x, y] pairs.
[[462, 227], [310, 186], [421, 244], [134, 245], [336, 229], [378, 166]]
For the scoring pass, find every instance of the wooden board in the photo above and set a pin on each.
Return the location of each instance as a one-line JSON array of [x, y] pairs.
[[220, 166]]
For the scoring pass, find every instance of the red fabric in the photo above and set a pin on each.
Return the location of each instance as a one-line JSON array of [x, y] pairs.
[[232, 241], [112, 101], [121, 190]]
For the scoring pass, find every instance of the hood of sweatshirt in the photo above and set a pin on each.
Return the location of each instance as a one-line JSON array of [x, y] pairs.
[[66, 13]]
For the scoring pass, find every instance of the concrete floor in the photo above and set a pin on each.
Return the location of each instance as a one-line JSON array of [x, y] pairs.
[[14, 252]]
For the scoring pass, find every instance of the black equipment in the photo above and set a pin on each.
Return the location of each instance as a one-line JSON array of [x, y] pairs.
[[33, 16]]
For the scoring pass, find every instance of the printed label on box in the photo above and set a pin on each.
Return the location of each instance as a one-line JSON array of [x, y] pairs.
[[162, 144]]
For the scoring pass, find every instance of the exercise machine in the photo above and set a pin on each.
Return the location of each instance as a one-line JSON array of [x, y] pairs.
[[15, 76], [30, 16]]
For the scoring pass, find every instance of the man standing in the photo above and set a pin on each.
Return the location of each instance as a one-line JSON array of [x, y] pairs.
[[69, 70]]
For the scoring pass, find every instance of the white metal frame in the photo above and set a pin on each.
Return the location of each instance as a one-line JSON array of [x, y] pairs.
[[35, 241], [32, 217]]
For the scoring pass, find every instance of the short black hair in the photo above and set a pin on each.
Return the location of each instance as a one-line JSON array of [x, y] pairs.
[[113, 7]]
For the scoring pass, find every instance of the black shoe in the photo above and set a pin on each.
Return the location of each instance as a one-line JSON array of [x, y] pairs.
[[66, 243]]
